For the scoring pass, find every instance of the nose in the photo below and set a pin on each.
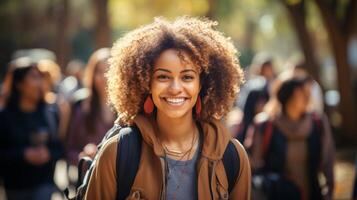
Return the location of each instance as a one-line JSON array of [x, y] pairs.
[[175, 86]]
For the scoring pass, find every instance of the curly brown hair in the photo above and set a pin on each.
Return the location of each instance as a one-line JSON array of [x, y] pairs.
[[133, 56]]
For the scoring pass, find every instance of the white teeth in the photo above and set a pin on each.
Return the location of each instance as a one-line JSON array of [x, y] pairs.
[[175, 100]]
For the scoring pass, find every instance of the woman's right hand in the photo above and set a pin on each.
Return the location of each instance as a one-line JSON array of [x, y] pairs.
[[37, 155], [89, 150]]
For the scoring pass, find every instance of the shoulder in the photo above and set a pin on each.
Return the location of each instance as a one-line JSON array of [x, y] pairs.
[[262, 118], [244, 165], [318, 118], [240, 149], [4, 117], [261, 121], [3, 113], [106, 156], [116, 134], [7, 115]]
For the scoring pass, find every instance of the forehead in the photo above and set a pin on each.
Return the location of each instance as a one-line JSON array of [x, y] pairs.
[[172, 60]]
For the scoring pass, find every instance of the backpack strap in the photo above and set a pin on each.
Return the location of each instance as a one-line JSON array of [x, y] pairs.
[[128, 159], [86, 166], [231, 162]]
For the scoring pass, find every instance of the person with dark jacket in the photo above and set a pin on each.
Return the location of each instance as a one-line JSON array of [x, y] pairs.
[[254, 103], [291, 146], [29, 144]]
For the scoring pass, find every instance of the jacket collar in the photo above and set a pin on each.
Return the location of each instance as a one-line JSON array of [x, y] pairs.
[[215, 136]]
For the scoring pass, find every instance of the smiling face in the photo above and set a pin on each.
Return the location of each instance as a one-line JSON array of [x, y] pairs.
[[175, 84]]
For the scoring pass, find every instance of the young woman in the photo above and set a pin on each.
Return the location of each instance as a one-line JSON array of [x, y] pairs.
[[92, 117], [293, 146], [29, 144], [51, 73], [174, 81]]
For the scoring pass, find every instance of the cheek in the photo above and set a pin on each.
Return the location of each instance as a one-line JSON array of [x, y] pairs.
[[33, 84], [193, 88], [156, 89]]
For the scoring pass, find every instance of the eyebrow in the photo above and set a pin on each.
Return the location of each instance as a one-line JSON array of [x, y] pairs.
[[166, 70]]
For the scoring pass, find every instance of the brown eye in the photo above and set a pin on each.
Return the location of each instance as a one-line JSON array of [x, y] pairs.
[[163, 77], [188, 78]]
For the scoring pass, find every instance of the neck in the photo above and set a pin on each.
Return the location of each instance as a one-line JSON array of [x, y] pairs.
[[27, 105], [292, 113], [176, 132]]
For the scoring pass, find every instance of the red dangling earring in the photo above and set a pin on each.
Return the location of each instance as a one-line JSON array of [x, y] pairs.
[[148, 105], [198, 107]]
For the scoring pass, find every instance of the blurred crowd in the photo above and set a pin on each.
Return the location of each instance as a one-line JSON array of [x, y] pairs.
[[48, 114]]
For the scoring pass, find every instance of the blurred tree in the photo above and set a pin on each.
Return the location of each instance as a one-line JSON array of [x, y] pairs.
[[297, 13], [62, 47], [102, 28], [340, 20]]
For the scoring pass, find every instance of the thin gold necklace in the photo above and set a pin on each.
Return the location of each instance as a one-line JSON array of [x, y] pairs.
[[181, 154]]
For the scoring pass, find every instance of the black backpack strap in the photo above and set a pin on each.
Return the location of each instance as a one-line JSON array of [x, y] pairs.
[[86, 166], [231, 162], [83, 165], [128, 158]]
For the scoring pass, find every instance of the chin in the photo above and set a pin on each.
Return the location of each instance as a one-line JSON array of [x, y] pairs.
[[175, 114]]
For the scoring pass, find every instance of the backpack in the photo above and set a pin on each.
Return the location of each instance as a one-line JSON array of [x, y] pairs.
[[128, 158]]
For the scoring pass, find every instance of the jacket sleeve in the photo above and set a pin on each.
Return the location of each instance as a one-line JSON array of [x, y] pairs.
[[9, 154], [75, 137], [102, 183], [242, 188]]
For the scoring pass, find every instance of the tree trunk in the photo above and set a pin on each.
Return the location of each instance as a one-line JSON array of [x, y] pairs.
[[61, 44], [297, 18], [102, 28], [338, 39], [212, 9]]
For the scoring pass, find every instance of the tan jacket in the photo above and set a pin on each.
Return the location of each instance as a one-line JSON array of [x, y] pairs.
[[149, 182]]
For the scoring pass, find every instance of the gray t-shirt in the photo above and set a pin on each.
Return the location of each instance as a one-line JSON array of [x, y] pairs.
[[182, 179]]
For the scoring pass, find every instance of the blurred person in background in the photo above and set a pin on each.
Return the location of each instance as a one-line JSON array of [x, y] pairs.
[[260, 76], [29, 144], [316, 103], [257, 97], [92, 118], [261, 73], [73, 81], [51, 73], [262, 65], [291, 146]]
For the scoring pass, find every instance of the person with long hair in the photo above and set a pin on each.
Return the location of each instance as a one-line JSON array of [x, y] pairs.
[[291, 146], [92, 117], [173, 81], [51, 73], [29, 143]]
